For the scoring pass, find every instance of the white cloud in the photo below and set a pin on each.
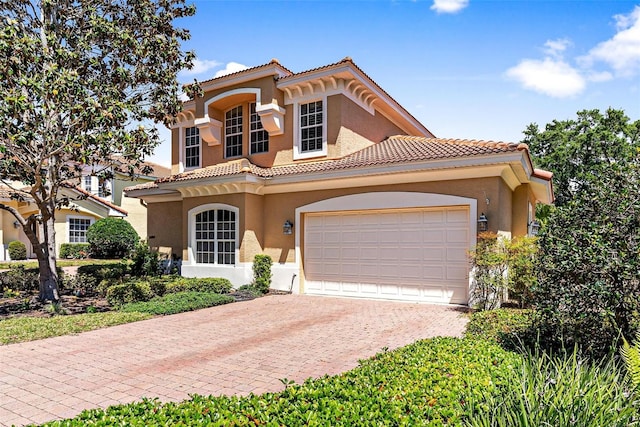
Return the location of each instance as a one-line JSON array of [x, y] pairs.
[[232, 67], [449, 6], [552, 77], [555, 48], [201, 66], [622, 52]]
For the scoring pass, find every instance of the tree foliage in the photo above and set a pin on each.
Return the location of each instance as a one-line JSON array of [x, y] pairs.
[[79, 82], [588, 290]]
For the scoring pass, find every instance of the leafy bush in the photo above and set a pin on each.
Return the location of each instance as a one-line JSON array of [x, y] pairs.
[[111, 238], [489, 262], [562, 391], [215, 285], [74, 250], [145, 261], [588, 290], [82, 284], [522, 268], [504, 326], [17, 250], [262, 272], [430, 382], [115, 271], [128, 292], [20, 279], [178, 303]]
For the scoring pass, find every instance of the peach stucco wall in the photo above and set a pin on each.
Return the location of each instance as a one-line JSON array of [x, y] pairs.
[[261, 217]]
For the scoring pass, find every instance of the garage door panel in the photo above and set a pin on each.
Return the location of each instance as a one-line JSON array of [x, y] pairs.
[[411, 255]]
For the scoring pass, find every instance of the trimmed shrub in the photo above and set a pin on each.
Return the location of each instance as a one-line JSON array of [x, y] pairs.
[[128, 292], [489, 262], [20, 279], [505, 326], [178, 303], [116, 271], [111, 238], [74, 250], [262, 272], [17, 250], [82, 284], [215, 285], [145, 261]]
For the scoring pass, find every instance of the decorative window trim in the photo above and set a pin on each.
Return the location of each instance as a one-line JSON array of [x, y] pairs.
[[297, 146], [78, 217], [191, 248]]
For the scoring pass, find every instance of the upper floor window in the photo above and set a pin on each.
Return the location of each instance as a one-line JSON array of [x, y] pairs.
[[233, 132], [215, 237], [192, 148], [78, 229], [259, 136], [311, 127], [88, 183], [98, 186]]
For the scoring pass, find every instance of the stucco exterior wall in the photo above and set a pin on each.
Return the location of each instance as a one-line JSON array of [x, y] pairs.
[[165, 227]]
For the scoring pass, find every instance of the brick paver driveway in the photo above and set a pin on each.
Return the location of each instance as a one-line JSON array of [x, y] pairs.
[[233, 349]]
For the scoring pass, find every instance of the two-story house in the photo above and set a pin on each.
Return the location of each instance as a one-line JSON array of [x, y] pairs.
[[345, 190]]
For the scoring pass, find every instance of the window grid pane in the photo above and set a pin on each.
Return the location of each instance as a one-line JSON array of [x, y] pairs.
[[78, 230], [311, 127], [215, 237], [233, 132], [192, 147], [259, 136]]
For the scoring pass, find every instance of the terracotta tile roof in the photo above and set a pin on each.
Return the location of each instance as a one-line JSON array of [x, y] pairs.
[[5, 192], [273, 61], [398, 149]]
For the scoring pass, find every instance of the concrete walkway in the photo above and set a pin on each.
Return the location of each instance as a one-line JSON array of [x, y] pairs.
[[233, 349]]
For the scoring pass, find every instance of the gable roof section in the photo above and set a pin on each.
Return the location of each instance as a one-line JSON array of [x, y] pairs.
[[92, 198]]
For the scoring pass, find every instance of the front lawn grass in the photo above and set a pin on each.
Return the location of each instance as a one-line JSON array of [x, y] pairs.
[[20, 329]]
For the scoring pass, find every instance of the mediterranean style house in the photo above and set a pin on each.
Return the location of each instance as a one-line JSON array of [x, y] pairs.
[[91, 199], [345, 190]]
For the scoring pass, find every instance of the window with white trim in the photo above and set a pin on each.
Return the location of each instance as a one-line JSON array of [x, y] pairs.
[[233, 132], [192, 147], [311, 127], [258, 136], [78, 229], [88, 183], [215, 237]]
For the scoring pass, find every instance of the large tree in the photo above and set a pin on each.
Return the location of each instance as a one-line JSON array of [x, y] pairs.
[[81, 80], [588, 290]]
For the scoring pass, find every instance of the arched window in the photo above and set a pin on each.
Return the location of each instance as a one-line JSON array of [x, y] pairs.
[[215, 236]]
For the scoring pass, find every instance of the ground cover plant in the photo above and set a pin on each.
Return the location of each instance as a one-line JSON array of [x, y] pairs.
[[431, 382], [178, 303]]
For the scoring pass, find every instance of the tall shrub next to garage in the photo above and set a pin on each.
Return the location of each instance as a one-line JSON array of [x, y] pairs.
[[262, 272], [111, 238]]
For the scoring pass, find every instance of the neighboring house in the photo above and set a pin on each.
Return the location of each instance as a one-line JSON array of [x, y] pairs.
[[345, 190], [90, 201]]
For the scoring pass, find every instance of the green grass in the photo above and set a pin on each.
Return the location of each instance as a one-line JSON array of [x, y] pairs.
[[20, 329], [178, 303]]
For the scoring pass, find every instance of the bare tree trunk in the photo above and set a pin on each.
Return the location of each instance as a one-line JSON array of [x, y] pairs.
[[47, 262]]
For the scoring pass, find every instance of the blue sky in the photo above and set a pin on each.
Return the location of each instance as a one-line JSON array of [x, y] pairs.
[[472, 69]]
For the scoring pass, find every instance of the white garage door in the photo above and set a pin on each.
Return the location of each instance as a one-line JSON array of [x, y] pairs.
[[418, 254]]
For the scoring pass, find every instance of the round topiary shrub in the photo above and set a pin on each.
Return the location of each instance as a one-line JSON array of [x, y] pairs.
[[17, 250], [111, 238]]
